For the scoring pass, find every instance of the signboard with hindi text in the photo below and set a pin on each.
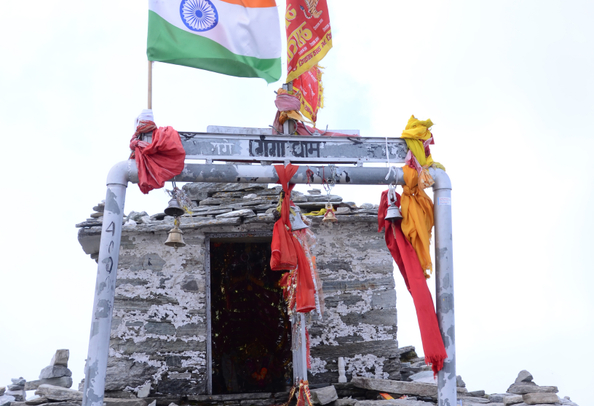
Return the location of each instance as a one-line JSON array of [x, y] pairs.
[[236, 144]]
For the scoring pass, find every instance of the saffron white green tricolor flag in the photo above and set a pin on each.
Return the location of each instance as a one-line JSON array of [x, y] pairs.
[[234, 37]]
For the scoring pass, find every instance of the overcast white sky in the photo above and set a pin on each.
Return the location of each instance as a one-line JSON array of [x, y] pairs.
[[508, 84]]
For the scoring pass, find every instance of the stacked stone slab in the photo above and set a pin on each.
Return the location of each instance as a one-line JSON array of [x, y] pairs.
[[527, 392], [522, 392], [56, 373], [359, 392], [16, 389]]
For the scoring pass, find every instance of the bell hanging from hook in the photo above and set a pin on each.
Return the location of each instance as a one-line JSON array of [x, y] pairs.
[[329, 216], [296, 220], [393, 213], [173, 208], [175, 236]]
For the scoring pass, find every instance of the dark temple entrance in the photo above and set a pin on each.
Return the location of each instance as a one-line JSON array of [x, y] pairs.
[[251, 332]]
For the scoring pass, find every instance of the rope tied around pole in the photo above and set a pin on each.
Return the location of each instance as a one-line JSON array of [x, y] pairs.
[[390, 170]]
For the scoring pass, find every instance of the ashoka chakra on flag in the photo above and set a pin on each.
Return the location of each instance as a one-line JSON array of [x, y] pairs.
[[198, 15]]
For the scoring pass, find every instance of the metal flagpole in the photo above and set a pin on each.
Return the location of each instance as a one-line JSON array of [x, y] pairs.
[[150, 85]]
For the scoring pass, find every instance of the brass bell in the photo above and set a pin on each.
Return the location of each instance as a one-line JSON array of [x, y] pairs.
[[175, 237], [296, 220], [173, 208], [393, 212], [329, 216]]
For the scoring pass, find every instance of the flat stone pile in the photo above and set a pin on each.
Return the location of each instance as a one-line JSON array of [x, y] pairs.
[[227, 204], [422, 392], [419, 389], [15, 392], [236, 203], [55, 374]]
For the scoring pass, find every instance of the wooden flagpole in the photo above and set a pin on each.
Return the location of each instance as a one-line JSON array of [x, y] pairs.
[[150, 85]]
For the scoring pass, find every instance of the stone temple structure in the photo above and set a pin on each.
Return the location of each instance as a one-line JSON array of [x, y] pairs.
[[209, 318]]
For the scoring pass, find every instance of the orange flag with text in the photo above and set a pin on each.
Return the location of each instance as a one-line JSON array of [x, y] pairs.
[[309, 38]]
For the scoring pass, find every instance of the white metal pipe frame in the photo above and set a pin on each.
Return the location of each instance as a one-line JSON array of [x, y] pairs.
[[124, 172]]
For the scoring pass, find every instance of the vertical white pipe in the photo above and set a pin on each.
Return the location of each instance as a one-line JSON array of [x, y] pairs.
[[109, 249], [300, 348], [444, 285], [303, 347]]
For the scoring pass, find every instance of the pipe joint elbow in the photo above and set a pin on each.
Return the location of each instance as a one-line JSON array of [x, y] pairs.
[[122, 173], [442, 180]]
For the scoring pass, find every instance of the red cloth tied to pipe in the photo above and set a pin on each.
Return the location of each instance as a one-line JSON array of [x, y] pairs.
[[287, 253], [406, 258], [306, 290], [284, 256], [160, 160]]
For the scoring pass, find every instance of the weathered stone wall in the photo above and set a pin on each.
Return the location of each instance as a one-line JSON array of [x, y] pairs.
[[159, 330], [159, 327], [159, 320], [359, 322]]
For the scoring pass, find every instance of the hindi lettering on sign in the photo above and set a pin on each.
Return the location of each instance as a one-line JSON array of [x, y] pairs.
[[278, 149], [223, 147], [267, 148], [305, 149], [314, 147], [297, 149]]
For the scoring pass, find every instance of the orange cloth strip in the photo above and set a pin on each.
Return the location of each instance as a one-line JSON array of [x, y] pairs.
[[417, 214]]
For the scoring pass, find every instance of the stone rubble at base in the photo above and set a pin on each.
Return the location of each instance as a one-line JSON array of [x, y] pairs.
[[418, 389]]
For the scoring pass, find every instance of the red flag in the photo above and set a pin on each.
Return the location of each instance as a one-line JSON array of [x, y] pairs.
[[308, 35], [308, 89]]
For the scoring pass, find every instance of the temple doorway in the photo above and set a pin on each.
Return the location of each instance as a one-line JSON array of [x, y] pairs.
[[250, 328]]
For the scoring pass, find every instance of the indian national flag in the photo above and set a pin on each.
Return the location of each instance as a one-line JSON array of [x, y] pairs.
[[234, 37]]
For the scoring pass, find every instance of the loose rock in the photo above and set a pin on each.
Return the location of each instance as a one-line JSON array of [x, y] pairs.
[[323, 396], [64, 381], [521, 389], [512, 400], [54, 371], [540, 398], [60, 358], [57, 393], [524, 376]]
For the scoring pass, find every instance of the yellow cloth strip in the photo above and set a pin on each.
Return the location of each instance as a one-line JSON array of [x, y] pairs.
[[414, 134], [320, 212], [417, 217]]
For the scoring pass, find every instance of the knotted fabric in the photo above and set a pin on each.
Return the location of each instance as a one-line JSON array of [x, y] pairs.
[[283, 256], [408, 263], [418, 138], [287, 107], [160, 160], [417, 217], [287, 252]]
